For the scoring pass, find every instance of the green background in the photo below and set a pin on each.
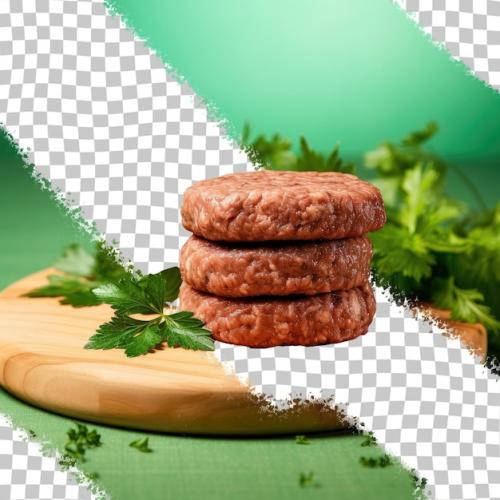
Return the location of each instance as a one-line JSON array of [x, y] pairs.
[[351, 72], [33, 232]]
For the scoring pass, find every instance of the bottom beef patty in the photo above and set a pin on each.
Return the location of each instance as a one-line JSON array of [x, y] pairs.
[[301, 268], [270, 321]]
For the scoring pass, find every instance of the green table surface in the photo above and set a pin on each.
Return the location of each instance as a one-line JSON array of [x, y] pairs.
[[33, 230]]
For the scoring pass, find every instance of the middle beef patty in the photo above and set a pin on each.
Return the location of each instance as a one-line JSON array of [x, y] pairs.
[[271, 268], [274, 321]]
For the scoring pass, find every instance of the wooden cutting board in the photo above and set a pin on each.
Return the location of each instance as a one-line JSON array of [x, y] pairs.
[[42, 361]]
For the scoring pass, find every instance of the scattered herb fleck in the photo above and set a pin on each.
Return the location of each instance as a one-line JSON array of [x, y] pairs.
[[301, 439], [79, 441], [369, 440], [141, 445], [420, 484], [307, 479], [382, 461], [66, 462]]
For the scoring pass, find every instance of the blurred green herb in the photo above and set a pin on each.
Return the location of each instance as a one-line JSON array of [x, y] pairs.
[[307, 479], [465, 304], [142, 445], [81, 273], [277, 153], [301, 439], [382, 461], [147, 295], [433, 248], [369, 440]]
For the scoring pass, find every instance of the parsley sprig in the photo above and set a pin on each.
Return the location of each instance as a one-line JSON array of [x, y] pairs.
[[88, 280], [466, 304], [433, 248], [147, 295], [80, 273], [277, 153]]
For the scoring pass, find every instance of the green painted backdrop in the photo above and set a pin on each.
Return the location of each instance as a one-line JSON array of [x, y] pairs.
[[349, 71]]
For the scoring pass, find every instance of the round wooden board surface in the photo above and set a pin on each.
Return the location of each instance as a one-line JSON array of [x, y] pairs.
[[43, 362]]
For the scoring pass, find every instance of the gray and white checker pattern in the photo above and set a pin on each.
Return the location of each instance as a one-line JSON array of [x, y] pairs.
[[26, 473], [111, 129], [127, 164], [468, 29]]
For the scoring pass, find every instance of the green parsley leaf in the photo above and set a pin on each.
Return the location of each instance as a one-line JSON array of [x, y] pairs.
[[75, 260], [307, 479], [142, 445], [82, 273], [310, 160], [107, 265], [148, 295], [117, 332], [182, 329], [483, 253], [465, 304], [399, 252], [126, 297], [417, 138], [74, 291], [418, 186], [275, 153], [144, 341], [135, 336]]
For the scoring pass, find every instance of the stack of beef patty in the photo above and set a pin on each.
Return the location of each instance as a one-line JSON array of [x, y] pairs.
[[280, 258]]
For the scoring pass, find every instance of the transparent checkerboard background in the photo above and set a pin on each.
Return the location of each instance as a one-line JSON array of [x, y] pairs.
[[25, 473], [121, 139], [468, 29]]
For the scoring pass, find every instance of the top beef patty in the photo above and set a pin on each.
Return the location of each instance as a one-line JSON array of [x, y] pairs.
[[278, 205]]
